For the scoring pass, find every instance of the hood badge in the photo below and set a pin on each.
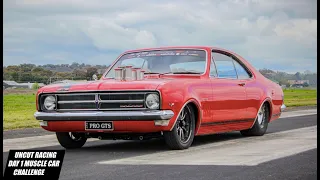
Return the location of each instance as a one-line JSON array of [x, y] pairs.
[[63, 89]]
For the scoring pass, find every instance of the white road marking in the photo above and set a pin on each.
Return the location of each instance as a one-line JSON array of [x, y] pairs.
[[51, 140], [298, 113], [245, 151]]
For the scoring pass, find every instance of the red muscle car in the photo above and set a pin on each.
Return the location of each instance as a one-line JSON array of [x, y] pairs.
[[172, 92]]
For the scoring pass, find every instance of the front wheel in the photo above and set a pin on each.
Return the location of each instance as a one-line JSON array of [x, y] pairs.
[[182, 134], [71, 140], [261, 123]]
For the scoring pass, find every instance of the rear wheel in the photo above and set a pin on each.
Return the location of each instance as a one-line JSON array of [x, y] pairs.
[[71, 140], [182, 134], [261, 123]]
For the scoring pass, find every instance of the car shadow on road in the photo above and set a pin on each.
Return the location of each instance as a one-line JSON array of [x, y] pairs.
[[153, 145]]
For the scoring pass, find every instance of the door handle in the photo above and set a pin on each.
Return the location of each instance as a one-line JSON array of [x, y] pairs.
[[242, 84]]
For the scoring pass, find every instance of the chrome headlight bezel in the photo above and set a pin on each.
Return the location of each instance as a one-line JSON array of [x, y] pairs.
[[152, 101], [49, 99]]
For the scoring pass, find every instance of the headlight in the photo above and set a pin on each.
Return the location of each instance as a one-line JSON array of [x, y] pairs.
[[152, 101], [49, 103]]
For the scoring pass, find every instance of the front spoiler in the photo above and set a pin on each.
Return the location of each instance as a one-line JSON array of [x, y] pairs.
[[150, 115]]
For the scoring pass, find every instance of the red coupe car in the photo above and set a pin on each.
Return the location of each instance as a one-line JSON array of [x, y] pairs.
[[172, 92]]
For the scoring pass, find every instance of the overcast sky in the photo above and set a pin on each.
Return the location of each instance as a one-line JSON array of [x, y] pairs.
[[276, 34]]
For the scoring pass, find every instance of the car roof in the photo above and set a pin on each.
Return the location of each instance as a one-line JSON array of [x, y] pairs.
[[176, 47]]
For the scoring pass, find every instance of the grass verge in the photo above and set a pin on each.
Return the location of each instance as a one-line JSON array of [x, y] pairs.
[[18, 110], [300, 97]]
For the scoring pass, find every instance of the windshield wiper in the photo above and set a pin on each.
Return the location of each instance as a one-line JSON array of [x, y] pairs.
[[177, 72], [157, 73]]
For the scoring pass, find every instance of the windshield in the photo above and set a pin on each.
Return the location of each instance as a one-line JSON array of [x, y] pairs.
[[164, 61]]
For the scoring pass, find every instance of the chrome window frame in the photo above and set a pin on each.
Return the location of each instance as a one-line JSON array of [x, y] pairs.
[[234, 58]]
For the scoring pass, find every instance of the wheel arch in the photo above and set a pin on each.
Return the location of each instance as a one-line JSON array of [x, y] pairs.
[[268, 101], [197, 110], [269, 105]]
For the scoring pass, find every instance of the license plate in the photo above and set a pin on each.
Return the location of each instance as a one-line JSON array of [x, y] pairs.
[[100, 125]]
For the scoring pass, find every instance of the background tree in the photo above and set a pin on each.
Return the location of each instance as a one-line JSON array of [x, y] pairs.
[[297, 76], [35, 86], [90, 72]]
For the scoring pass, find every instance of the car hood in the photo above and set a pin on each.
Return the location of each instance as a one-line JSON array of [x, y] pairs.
[[110, 84]]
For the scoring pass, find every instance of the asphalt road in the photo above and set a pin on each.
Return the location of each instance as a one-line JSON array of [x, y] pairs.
[[152, 160]]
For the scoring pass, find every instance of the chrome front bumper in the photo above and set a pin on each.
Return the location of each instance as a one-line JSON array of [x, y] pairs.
[[105, 115], [283, 107]]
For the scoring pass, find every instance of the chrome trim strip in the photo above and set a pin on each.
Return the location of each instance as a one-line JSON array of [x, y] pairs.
[[123, 93], [66, 110], [73, 94], [124, 109], [71, 102], [82, 93], [126, 101], [237, 59], [95, 109], [110, 115]]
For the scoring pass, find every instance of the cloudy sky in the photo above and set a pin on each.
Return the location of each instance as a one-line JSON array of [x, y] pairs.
[[276, 34]]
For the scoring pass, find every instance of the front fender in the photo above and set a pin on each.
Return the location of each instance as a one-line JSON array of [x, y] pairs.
[[176, 97]]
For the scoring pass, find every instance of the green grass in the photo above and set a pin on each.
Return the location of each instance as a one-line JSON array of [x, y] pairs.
[[300, 97], [19, 107], [18, 111]]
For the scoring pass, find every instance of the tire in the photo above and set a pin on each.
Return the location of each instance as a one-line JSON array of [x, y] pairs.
[[261, 123], [186, 124], [71, 140]]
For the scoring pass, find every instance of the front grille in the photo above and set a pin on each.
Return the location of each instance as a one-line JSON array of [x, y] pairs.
[[101, 101]]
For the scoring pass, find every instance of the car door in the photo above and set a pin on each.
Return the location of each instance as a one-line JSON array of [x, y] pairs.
[[229, 92], [252, 91]]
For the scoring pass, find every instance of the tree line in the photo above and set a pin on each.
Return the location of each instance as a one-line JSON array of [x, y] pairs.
[[46, 73], [283, 78]]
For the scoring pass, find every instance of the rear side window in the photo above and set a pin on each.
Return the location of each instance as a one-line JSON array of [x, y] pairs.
[[224, 65], [242, 73]]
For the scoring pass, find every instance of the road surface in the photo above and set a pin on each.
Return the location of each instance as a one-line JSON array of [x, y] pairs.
[[287, 151]]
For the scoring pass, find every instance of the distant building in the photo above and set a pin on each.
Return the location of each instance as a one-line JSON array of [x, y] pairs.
[[67, 81], [29, 85], [13, 84], [298, 82]]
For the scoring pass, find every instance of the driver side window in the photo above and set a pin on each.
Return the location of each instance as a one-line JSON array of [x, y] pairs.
[[224, 65], [242, 73]]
